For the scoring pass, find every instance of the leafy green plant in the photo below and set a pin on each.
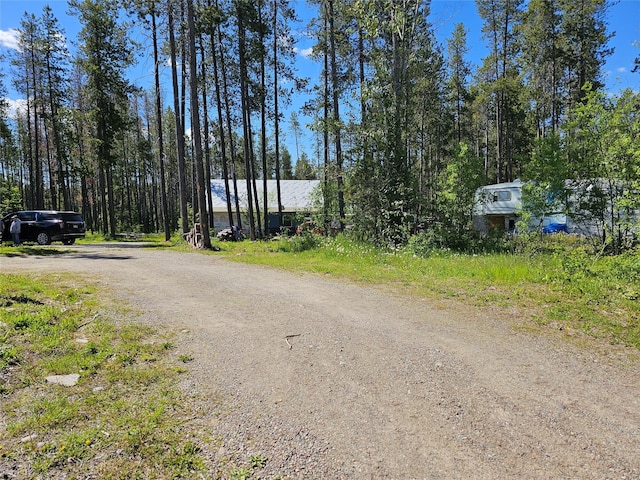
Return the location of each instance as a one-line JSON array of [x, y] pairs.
[[242, 473], [9, 355], [257, 461], [303, 241], [185, 358], [577, 264], [124, 418]]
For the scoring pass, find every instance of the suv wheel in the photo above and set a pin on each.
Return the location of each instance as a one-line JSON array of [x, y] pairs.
[[69, 241], [43, 238]]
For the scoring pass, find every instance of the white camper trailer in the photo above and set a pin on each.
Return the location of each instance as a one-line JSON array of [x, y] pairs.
[[496, 207]]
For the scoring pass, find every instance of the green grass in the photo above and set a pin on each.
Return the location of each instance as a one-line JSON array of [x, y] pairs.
[[565, 289], [126, 417]]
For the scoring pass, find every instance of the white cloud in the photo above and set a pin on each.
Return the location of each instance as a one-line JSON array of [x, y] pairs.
[[14, 105], [305, 52], [9, 38], [621, 70]]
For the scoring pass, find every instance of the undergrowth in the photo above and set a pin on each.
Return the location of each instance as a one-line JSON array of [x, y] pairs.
[[124, 418], [556, 282]]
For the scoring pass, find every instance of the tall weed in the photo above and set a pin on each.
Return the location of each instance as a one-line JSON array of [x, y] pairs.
[[305, 240]]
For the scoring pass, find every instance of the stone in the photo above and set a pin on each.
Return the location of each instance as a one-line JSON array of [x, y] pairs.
[[67, 380]]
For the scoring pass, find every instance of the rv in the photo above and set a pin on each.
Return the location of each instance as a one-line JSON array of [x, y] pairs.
[[498, 207]]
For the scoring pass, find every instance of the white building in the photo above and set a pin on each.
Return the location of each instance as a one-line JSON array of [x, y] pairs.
[[298, 197]]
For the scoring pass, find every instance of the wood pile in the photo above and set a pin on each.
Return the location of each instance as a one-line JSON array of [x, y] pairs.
[[194, 237]]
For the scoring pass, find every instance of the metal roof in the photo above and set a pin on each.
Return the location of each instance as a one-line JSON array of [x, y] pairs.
[[296, 195]]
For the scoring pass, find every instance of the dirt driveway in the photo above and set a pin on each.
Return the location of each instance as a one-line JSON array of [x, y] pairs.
[[330, 380]]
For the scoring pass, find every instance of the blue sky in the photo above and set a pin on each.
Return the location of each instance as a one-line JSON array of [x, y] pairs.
[[623, 19]]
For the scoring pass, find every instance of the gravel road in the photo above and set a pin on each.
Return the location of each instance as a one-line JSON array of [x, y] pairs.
[[331, 380]]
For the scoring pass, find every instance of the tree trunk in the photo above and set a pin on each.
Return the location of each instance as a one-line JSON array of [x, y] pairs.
[[182, 176], [205, 129], [276, 112], [156, 71], [223, 147], [245, 119], [337, 128], [325, 127], [195, 128]]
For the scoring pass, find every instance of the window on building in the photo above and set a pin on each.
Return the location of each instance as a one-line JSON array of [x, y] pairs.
[[502, 196]]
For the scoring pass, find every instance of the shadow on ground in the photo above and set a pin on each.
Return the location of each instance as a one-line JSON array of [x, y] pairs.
[[89, 250], [24, 250]]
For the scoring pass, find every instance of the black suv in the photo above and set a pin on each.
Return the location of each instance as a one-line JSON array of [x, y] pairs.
[[46, 226]]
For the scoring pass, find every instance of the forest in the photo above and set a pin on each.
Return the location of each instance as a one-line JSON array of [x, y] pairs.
[[405, 128]]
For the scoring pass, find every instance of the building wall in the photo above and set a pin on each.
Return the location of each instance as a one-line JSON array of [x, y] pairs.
[[221, 221]]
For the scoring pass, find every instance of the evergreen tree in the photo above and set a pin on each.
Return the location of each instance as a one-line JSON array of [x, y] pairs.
[[28, 81], [400, 40], [503, 86], [105, 53], [201, 185], [585, 38], [55, 92], [294, 124], [542, 45], [286, 166], [10, 185], [304, 170], [459, 74]]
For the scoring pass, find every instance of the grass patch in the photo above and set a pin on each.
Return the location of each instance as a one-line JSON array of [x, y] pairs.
[[562, 287], [125, 418], [27, 249]]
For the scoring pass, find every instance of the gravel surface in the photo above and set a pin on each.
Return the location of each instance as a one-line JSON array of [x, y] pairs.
[[330, 380]]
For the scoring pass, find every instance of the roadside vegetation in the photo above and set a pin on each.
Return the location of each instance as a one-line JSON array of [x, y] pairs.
[[558, 283], [125, 416]]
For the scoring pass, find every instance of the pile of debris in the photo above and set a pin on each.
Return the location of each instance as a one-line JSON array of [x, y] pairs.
[[230, 234]]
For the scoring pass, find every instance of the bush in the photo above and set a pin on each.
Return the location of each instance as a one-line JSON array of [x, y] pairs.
[[305, 240], [627, 266], [424, 244], [438, 239]]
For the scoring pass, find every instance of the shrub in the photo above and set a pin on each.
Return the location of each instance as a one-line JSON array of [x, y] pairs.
[[305, 240]]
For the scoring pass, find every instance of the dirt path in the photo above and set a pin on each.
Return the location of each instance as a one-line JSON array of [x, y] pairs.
[[328, 380]]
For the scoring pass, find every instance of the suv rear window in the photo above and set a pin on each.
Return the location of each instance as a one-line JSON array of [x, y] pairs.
[[72, 217]]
